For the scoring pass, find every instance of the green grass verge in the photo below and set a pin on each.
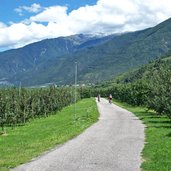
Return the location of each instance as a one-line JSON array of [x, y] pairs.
[[157, 150], [26, 142]]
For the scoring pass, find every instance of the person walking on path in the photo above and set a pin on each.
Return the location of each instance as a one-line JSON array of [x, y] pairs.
[[114, 143], [110, 98]]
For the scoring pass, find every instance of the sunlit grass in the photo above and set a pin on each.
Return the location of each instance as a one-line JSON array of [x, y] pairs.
[[157, 151], [26, 142]]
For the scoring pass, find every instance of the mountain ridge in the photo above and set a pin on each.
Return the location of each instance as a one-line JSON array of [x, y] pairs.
[[98, 58]]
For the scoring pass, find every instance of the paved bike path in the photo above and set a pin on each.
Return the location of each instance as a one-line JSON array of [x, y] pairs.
[[114, 143]]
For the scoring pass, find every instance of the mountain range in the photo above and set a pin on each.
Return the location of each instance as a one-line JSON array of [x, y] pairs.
[[98, 57]]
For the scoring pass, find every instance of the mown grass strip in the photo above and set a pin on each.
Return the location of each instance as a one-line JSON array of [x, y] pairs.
[[157, 150], [26, 142]]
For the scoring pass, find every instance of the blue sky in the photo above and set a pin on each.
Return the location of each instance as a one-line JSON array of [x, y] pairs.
[[7, 12], [26, 21]]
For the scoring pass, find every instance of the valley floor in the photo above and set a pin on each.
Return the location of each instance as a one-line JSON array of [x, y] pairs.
[[114, 143], [28, 141]]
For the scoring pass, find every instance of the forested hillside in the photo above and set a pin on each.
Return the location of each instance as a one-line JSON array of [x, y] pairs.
[[98, 58], [36, 63], [148, 86]]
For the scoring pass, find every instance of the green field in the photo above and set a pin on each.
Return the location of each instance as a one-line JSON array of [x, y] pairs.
[[157, 151], [26, 142]]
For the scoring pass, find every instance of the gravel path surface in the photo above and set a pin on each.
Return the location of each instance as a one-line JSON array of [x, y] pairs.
[[114, 143]]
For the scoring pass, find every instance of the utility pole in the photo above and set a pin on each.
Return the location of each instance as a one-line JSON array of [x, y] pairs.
[[19, 89], [75, 89]]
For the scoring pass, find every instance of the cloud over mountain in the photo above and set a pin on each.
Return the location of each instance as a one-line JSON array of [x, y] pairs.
[[105, 17]]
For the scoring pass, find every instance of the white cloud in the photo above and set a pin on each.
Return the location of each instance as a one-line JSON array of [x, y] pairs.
[[107, 16], [34, 8], [52, 14], [2, 25]]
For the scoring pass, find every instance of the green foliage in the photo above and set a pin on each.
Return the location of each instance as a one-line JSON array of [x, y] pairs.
[[157, 151], [160, 84], [149, 86], [34, 138], [17, 106]]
